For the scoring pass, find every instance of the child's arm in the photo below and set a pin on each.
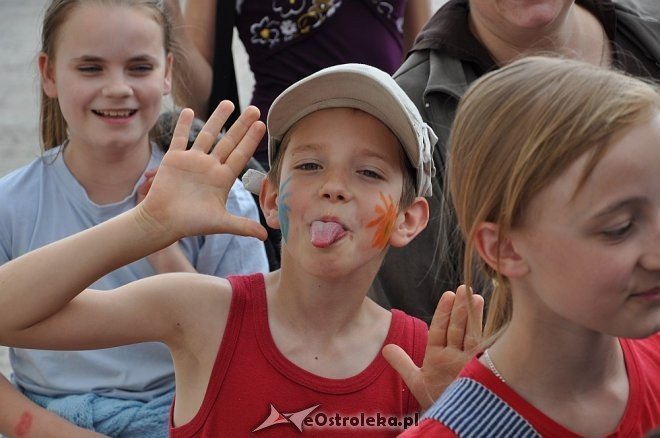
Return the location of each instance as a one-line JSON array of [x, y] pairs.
[[171, 258], [37, 290], [20, 417], [453, 340]]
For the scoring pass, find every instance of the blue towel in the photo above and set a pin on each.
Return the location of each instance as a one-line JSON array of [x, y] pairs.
[[112, 416]]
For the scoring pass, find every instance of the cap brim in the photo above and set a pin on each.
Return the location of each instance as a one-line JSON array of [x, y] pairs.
[[347, 86]]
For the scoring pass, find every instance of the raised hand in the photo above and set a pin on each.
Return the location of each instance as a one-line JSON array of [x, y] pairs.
[[189, 192], [453, 340]]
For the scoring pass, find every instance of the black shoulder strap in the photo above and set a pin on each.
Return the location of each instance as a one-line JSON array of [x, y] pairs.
[[224, 76]]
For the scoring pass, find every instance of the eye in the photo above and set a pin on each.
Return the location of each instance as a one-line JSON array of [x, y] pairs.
[[370, 174], [308, 166], [619, 232], [89, 68], [141, 68]]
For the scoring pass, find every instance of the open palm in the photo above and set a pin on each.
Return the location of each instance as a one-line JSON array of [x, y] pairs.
[[454, 336], [190, 189]]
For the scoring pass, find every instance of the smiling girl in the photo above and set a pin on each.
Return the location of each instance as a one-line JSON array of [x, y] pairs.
[[105, 66]]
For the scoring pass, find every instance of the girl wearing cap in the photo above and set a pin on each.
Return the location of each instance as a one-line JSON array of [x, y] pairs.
[[554, 172], [295, 349]]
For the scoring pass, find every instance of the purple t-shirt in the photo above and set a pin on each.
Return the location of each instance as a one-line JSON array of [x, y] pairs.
[[287, 40]]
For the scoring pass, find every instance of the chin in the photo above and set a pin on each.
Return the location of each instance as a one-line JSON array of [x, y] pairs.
[[536, 16]]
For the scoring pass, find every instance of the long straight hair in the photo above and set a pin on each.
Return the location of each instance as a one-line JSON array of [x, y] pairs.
[[518, 129]]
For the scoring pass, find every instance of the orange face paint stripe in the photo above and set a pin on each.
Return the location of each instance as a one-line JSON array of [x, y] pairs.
[[384, 223]]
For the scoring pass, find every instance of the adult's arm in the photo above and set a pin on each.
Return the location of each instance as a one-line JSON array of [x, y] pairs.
[[417, 14], [194, 31]]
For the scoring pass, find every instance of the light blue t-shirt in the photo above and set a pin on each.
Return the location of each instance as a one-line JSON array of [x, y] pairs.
[[43, 202]]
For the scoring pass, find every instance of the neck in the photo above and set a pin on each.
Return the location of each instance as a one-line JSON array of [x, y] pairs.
[[107, 176], [561, 358], [326, 305], [574, 375], [326, 327], [574, 33]]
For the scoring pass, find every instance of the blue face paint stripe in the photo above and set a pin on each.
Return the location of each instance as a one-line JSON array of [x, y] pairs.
[[283, 209]]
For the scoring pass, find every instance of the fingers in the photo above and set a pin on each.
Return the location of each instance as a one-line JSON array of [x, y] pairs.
[[452, 324], [401, 362], [475, 325], [240, 156], [149, 174], [235, 148], [410, 374], [146, 185], [241, 226], [240, 139], [440, 321], [144, 189], [458, 320], [181, 130], [209, 133]]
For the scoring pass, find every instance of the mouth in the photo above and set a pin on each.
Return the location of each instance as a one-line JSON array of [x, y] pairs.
[[326, 232], [648, 295], [115, 114]]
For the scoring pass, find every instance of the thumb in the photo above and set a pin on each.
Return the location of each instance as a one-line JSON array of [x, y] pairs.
[[242, 226], [401, 362]]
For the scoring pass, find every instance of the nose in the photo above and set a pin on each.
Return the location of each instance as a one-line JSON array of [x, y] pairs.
[[650, 260], [117, 87], [335, 187]]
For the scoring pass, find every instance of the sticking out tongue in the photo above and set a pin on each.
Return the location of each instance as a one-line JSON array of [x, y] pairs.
[[325, 234]]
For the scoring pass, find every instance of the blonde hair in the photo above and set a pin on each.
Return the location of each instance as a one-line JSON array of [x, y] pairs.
[[53, 126], [517, 130]]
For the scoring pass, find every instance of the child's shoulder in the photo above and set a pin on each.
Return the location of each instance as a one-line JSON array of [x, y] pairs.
[[23, 188], [183, 291], [208, 291], [27, 178]]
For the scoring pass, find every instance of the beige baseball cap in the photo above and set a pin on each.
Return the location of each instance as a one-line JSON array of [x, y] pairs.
[[354, 86]]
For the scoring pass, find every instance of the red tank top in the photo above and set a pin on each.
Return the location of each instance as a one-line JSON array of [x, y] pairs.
[[255, 388]]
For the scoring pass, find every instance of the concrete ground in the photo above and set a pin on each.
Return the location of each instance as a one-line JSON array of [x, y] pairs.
[[20, 22]]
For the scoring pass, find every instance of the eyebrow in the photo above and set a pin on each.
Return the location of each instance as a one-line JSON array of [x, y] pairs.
[[374, 154], [621, 205], [93, 58], [305, 147]]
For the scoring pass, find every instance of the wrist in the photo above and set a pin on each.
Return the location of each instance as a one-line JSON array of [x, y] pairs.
[[154, 228]]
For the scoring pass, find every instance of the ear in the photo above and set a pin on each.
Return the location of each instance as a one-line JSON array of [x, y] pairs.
[[488, 242], [268, 198], [410, 222], [47, 76], [167, 85]]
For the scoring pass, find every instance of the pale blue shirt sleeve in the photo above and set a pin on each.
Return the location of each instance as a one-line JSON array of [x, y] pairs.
[[226, 254], [5, 240]]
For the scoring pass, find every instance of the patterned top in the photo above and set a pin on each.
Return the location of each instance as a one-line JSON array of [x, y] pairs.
[[287, 40]]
